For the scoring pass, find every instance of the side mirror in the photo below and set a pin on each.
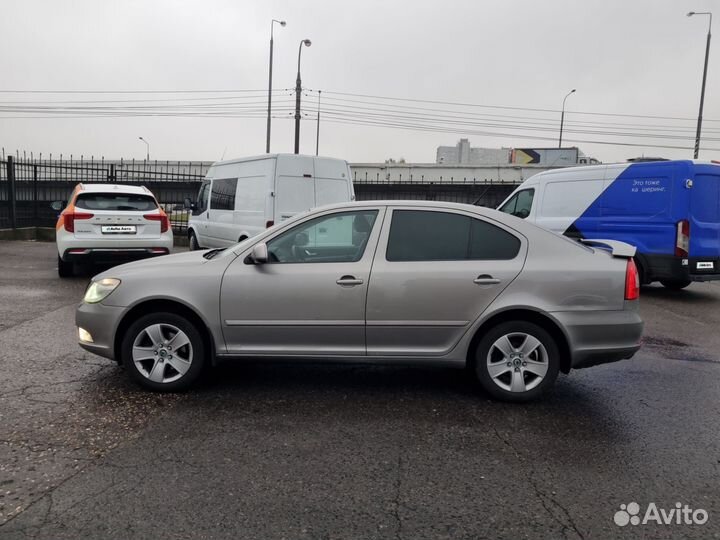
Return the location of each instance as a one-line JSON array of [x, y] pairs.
[[189, 204], [259, 253], [57, 205]]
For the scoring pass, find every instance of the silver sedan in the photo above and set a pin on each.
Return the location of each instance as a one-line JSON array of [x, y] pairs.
[[384, 282]]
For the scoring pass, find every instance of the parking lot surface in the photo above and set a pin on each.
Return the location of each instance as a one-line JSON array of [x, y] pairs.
[[267, 450]]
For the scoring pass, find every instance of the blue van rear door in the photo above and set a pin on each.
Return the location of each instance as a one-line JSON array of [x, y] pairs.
[[705, 212]]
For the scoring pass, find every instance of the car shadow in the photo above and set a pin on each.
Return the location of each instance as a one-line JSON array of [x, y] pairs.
[[406, 395], [693, 296]]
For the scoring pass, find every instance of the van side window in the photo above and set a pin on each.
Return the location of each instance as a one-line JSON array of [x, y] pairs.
[[520, 204], [222, 196], [422, 235]]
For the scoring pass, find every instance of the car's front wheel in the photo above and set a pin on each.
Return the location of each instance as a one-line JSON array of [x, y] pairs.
[[517, 361], [194, 246], [163, 352]]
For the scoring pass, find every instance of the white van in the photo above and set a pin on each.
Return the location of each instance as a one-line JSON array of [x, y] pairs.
[[241, 197]]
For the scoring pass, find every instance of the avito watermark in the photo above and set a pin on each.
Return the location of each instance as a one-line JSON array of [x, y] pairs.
[[680, 514]]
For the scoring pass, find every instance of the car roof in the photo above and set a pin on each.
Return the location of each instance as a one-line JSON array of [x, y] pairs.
[[113, 188], [482, 210]]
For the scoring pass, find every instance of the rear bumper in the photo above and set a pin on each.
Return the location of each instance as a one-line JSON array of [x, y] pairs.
[[110, 255], [600, 337], [659, 267]]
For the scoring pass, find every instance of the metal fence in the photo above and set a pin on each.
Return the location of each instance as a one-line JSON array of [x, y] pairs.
[[29, 186]]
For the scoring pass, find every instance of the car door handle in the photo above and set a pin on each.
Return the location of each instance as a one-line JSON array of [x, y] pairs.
[[485, 279], [349, 281]]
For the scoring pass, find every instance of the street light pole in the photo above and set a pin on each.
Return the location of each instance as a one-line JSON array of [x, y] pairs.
[[267, 144], [702, 91], [562, 117], [148, 147], [317, 136], [298, 90]]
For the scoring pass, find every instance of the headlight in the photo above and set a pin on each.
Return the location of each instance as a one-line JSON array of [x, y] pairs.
[[99, 290]]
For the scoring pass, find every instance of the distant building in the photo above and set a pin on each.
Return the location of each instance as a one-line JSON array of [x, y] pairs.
[[463, 154]]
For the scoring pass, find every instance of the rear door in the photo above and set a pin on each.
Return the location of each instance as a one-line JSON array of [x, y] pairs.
[[294, 186], [115, 216], [332, 181], [705, 221], [434, 273]]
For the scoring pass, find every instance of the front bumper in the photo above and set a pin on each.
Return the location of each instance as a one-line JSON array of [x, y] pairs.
[[600, 337], [101, 322]]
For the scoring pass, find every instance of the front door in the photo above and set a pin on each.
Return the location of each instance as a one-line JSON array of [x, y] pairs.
[[309, 298], [435, 272]]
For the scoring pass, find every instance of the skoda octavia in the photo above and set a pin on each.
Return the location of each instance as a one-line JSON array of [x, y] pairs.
[[385, 282]]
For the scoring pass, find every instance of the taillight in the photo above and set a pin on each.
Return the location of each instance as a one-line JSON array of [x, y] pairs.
[[70, 218], [682, 240], [632, 281], [162, 218], [269, 223]]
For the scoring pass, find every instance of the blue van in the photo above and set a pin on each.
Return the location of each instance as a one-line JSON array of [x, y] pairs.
[[668, 210]]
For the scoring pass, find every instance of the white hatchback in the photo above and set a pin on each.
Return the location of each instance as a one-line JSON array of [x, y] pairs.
[[110, 223]]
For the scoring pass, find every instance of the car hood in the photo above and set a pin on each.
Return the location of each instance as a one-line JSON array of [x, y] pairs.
[[156, 264]]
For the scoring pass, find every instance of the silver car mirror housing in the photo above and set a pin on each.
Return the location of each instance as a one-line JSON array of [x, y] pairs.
[[259, 253]]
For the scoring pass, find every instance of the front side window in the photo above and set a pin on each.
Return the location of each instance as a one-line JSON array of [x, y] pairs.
[[202, 198], [421, 235], [519, 204], [222, 196], [340, 237]]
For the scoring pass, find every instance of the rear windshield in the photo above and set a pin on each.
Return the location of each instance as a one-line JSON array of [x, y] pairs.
[[115, 202]]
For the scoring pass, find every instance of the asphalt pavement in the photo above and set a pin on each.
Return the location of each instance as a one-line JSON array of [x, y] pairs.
[[271, 451]]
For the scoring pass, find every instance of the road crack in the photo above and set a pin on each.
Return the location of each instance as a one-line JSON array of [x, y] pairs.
[[547, 501]]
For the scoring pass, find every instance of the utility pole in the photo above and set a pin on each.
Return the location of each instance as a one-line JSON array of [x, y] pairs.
[[267, 144], [562, 117], [317, 136], [298, 91], [702, 91]]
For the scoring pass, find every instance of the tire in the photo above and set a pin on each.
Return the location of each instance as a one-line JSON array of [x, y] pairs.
[[172, 369], [675, 284], [542, 355], [192, 239], [65, 269]]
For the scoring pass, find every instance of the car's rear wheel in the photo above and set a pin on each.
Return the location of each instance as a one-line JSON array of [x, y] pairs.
[[65, 269], [517, 361], [163, 352], [675, 284], [194, 246]]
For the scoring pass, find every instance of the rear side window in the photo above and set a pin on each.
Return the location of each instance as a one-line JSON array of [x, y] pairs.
[[222, 196], [520, 204], [421, 235], [118, 202]]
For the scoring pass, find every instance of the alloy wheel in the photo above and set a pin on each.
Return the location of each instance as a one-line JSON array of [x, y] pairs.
[[517, 362], [162, 353]]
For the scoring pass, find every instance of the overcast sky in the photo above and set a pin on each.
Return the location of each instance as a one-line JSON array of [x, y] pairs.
[[625, 57]]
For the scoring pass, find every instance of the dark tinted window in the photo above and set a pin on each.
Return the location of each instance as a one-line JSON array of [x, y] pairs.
[[488, 242], [115, 202], [418, 235], [223, 194]]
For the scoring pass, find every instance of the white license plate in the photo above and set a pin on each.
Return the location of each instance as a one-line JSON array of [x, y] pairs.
[[705, 266], [118, 229]]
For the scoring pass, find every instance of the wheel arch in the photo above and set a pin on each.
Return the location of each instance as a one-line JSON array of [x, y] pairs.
[[546, 322], [163, 305]]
